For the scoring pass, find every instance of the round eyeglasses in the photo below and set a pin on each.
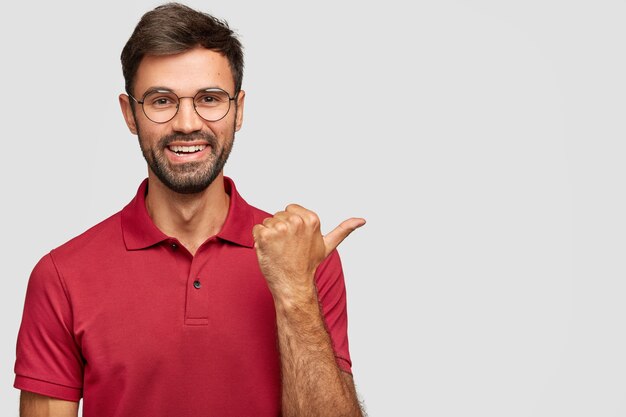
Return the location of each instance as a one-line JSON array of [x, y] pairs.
[[160, 106]]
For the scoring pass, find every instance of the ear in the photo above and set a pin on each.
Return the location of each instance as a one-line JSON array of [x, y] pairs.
[[127, 111], [239, 115]]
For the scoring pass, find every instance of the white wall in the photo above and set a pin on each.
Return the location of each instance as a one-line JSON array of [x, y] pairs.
[[482, 140]]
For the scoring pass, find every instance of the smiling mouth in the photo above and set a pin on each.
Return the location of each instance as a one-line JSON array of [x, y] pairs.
[[186, 150]]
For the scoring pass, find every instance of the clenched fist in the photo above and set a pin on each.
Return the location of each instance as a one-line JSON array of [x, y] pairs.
[[290, 247]]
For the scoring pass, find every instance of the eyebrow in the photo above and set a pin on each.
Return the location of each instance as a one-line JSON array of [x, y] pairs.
[[157, 89], [162, 89]]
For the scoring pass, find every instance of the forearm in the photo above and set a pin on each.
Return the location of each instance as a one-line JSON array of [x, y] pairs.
[[312, 383], [35, 405]]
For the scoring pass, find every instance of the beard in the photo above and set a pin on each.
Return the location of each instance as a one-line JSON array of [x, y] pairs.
[[190, 177]]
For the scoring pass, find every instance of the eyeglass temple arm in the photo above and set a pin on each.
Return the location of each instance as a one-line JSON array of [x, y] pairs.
[[131, 96]]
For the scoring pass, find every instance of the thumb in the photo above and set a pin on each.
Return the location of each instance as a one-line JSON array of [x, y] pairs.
[[339, 233]]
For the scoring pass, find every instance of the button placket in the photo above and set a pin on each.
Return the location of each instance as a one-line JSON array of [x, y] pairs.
[[197, 306]]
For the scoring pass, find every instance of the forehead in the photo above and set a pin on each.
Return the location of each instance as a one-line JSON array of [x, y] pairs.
[[185, 73]]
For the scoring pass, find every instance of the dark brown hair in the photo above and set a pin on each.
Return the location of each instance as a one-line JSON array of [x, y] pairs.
[[174, 28]]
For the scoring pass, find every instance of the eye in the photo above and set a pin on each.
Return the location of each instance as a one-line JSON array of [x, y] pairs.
[[160, 100], [211, 98]]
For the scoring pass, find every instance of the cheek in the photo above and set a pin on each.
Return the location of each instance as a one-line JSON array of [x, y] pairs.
[[223, 130], [150, 134]]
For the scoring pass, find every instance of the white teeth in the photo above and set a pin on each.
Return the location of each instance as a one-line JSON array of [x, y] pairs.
[[187, 149]]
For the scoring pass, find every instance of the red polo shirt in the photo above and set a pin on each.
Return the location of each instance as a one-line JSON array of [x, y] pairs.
[[126, 318]]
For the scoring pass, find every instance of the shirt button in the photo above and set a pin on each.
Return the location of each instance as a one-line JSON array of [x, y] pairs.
[[174, 246], [196, 284]]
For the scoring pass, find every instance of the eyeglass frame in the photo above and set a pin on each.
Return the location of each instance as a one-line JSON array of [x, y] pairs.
[[166, 90]]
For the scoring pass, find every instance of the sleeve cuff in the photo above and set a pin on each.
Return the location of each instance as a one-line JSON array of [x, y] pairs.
[[49, 389]]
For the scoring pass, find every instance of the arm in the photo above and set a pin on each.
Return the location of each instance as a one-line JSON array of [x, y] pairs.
[[290, 247], [313, 384], [35, 405]]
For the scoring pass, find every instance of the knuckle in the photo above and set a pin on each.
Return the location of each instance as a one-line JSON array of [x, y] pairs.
[[313, 218], [281, 227], [296, 220]]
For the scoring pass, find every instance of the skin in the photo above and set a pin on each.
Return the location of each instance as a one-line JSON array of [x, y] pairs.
[[35, 405], [289, 245]]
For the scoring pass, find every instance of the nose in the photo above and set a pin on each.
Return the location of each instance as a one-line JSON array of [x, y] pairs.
[[186, 119]]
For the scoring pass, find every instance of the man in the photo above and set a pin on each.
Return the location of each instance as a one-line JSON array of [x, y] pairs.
[[188, 302]]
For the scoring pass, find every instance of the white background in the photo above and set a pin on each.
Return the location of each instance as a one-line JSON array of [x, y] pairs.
[[483, 141]]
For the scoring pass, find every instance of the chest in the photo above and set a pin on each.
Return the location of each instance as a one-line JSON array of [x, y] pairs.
[[161, 309]]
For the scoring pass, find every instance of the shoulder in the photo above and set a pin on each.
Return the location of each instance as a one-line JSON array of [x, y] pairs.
[[101, 238], [107, 232], [258, 215]]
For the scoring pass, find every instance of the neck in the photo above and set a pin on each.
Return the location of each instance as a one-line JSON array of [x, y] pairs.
[[190, 218]]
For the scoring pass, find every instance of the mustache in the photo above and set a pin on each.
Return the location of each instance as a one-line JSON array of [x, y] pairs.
[[177, 137]]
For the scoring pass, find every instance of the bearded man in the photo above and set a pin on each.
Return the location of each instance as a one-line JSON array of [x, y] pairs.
[[189, 301]]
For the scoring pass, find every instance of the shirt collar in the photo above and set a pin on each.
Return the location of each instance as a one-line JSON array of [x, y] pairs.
[[140, 232]]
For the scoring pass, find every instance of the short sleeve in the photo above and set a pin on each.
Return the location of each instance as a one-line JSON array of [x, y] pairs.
[[332, 296], [48, 359]]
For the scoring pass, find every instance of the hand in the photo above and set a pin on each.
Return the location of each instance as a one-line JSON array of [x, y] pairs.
[[290, 247]]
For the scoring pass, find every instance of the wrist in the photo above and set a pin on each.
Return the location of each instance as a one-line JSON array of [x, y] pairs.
[[298, 294]]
